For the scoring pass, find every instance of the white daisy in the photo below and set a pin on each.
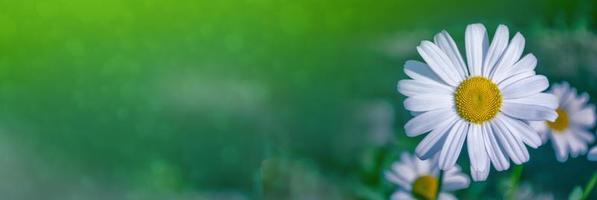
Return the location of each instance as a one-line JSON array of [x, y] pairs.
[[418, 179], [488, 100], [569, 132]]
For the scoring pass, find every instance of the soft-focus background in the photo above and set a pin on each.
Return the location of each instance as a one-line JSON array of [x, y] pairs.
[[246, 99]]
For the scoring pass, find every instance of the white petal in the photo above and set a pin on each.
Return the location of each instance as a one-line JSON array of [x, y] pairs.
[[454, 181], [539, 99], [559, 89], [416, 87], [420, 71], [541, 128], [583, 135], [433, 166], [447, 44], [446, 196], [578, 102], [454, 171], [511, 56], [497, 47], [577, 147], [404, 172], [402, 195], [529, 112], [439, 62], [434, 141], [453, 145], [477, 153], [423, 166], [427, 121], [592, 154], [511, 144], [525, 87], [584, 117], [528, 135], [479, 175], [568, 94], [476, 42], [494, 150], [409, 161], [395, 179], [421, 103], [560, 145], [526, 64], [515, 78]]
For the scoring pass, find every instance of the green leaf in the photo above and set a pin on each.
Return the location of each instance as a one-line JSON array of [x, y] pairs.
[[576, 193]]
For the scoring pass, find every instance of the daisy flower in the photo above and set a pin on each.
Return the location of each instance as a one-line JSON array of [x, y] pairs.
[[419, 179], [487, 100], [569, 132]]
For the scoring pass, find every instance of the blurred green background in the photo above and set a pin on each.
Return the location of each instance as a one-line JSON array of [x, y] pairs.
[[246, 99]]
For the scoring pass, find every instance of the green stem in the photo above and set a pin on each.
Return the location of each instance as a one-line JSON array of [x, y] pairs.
[[515, 180], [589, 187], [439, 185]]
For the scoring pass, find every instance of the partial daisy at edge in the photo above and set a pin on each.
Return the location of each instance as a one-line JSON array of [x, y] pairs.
[[570, 133], [486, 100], [419, 179]]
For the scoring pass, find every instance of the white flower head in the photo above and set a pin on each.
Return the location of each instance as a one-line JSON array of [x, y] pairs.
[[419, 179], [487, 100], [569, 133]]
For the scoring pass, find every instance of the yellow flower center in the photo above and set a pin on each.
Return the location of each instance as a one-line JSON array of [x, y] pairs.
[[478, 99], [425, 188], [561, 122]]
